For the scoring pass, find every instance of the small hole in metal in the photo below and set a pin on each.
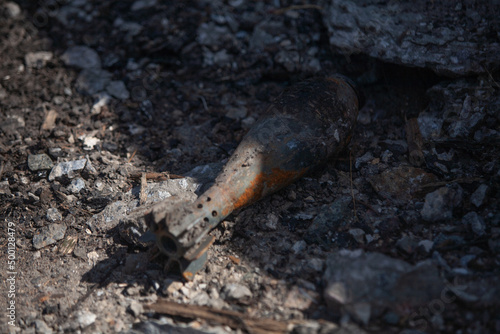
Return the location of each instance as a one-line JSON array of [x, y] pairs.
[[168, 245], [205, 219], [200, 206], [208, 199], [214, 213]]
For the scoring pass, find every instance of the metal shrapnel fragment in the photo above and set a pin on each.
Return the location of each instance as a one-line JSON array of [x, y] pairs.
[[308, 123]]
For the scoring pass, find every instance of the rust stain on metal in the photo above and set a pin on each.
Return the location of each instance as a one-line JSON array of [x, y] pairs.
[[252, 193], [308, 124], [275, 180], [280, 178]]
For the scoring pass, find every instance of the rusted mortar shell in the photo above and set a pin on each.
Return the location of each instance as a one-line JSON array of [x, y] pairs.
[[308, 124]]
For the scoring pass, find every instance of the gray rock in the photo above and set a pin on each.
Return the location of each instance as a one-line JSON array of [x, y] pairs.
[[85, 318], [37, 59], [49, 235], [135, 308], [368, 156], [93, 80], [330, 218], [426, 245], [475, 222], [118, 90], [266, 33], [236, 292], [211, 34], [405, 33], [67, 169], [236, 112], [430, 125], [407, 244], [201, 298], [299, 247], [5, 188], [55, 152], [102, 100], [81, 56], [439, 204], [358, 235], [54, 215], [272, 222], [444, 241], [153, 327], [76, 185], [143, 4], [478, 196], [41, 327], [39, 162], [12, 9], [366, 285]]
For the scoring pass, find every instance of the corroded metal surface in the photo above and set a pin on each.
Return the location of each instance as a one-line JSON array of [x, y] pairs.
[[307, 124]]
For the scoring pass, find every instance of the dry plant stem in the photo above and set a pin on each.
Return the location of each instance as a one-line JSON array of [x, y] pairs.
[[235, 320]]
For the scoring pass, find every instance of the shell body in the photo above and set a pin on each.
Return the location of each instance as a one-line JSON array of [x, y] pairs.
[[308, 124]]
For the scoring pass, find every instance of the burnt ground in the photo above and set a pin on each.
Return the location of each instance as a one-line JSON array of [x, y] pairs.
[[196, 75]]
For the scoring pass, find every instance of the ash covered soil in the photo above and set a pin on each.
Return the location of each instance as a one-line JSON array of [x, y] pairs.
[[399, 234]]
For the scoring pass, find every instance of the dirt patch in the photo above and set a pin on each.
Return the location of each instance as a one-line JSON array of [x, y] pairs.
[[94, 93]]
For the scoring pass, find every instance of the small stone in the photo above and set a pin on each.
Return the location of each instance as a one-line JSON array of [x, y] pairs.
[[475, 222], [361, 311], [430, 125], [358, 235], [143, 4], [92, 81], [300, 299], [364, 284], [299, 247], [37, 59], [272, 222], [49, 235], [443, 241], [478, 196], [315, 264], [80, 252], [439, 204], [101, 101], [56, 152], [247, 122], [236, 292], [76, 185], [41, 327], [170, 287], [236, 112], [81, 56], [85, 318], [330, 218], [426, 245], [118, 89], [39, 162], [54, 215], [135, 308], [367, 157], [89, 142], [201, 299], [407, 244], [5, 188], [12, 9], [67, 169]]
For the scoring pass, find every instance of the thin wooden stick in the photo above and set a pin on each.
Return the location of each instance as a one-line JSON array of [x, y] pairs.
[[235, 320]]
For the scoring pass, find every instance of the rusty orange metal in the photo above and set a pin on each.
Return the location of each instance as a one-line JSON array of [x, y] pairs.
[[307, 125]]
